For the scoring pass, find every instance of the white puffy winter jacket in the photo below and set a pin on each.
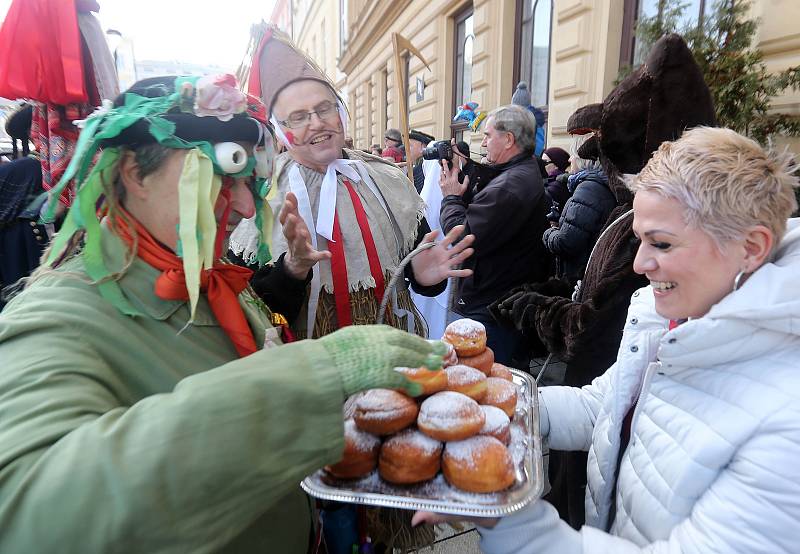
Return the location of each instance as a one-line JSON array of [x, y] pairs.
[[713, 464]]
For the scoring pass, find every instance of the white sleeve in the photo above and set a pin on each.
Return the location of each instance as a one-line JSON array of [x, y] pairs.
[[567, 414], [537, 529], [751, 508]]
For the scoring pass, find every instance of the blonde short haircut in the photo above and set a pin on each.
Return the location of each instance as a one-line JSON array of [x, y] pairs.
[[727, 182]]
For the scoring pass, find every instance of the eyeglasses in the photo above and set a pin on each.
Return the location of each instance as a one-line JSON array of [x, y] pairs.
[[301, 118]]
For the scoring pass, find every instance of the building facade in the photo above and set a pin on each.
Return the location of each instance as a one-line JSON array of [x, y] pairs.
[[281, 16], [568, 51]]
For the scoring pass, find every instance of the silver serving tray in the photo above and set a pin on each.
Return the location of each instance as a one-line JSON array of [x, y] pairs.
[[439, 496]]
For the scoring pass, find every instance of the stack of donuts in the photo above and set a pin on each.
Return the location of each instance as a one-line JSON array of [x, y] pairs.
[[459, 426]]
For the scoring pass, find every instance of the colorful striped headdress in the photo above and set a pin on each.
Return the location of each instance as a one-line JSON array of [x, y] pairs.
[[205, 115]]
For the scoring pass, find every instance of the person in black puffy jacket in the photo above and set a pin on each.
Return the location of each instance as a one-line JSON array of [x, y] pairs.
[[582, 217]]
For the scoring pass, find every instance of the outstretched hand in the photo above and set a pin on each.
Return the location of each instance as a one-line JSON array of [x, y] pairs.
[[301, 255], [436, 264], [366, 355]]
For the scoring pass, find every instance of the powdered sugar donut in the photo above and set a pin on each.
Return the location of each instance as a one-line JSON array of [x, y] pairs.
[[384, 412], [501, 393], [482, 362], [360, 453], [409, 457], [450, 416], [500, 371], [466, 380], [497, 424], [451, 358], [467, 336], [431, 381], [478, 464]]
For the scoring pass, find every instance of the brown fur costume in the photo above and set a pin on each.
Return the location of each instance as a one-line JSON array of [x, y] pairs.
[[656, 103]]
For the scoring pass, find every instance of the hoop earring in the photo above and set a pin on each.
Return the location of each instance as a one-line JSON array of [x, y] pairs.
[[737, 281]]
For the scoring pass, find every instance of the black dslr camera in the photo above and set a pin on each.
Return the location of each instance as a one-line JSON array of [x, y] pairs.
[[479, 174], [439, 150]]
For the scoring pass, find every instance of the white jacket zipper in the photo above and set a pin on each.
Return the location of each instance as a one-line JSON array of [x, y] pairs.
[[648, 378]]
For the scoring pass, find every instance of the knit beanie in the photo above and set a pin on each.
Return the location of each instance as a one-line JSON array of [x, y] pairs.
[[521, 96], [558, 156]]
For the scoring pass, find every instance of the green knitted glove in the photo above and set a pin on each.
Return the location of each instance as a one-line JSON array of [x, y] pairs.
[[366, 356]]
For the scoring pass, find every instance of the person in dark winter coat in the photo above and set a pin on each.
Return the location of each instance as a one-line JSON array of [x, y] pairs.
[[656, 103], [556, 163], [582, 217], [22, 237], [507, 217]]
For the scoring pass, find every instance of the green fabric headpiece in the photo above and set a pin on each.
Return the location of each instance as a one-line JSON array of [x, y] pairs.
[[204, 115]]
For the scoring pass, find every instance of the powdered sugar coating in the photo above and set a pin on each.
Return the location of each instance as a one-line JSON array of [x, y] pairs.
[[500, 390], [500, 371], [465, 452], [451, 358], [385, 412], [466, 328], [446, 405], [381, 403], [351, 403], [496, 420], [415, 439], [360, 440], [523, 450], [461, 375]]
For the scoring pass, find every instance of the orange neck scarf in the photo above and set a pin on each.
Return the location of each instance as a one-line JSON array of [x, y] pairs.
[[222, 283]]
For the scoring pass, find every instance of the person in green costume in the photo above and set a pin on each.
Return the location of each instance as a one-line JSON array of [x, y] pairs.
[[146, 403]]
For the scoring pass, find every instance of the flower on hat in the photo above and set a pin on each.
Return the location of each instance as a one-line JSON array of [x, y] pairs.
[[218, 96]]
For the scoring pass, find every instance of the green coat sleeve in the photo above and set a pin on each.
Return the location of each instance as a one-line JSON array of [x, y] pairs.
[[83, 468]]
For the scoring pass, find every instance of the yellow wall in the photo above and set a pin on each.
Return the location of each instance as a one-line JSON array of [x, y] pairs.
[[585, 50], [779, 41]]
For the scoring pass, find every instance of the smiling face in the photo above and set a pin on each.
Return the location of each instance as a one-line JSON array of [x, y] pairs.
[[687, 270], [320, 140]]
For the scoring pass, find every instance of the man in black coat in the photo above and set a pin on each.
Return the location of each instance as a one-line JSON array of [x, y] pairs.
[[507, 216]]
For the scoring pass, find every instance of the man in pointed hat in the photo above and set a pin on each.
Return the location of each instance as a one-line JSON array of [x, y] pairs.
[[362, 213], [147, 404]]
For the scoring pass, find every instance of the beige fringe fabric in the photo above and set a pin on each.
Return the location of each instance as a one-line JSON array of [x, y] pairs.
[[388, 526], [363, 309], [392, 527]]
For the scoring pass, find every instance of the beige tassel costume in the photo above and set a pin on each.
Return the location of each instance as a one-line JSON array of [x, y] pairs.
[[394, 212]]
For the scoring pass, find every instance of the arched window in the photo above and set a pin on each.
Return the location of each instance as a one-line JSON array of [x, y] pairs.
[[533, 48]]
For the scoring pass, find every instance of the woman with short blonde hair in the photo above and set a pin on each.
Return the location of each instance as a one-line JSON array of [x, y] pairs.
[[726, 182], [694, 433]]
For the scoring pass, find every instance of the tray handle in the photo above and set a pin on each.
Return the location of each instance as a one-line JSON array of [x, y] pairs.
[[387, 293]]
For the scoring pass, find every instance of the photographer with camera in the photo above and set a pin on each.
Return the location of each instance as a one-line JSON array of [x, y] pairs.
[[506, 213], [417, 141]]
